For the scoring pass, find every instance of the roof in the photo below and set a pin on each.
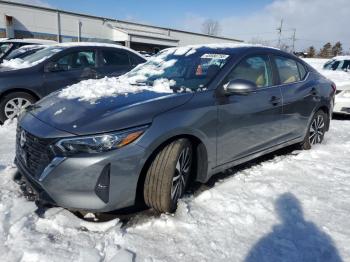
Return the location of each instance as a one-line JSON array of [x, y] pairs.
[[143, 33], [115, 20], [228, 47], [29, 41], [341, 57], [94, 44]]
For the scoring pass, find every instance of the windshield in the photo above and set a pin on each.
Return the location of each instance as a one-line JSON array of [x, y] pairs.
[[42, 55], [192, 70], [4, 48], [22, 52]]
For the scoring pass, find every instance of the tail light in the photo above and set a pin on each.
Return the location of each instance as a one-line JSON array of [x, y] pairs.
[[334, 87]]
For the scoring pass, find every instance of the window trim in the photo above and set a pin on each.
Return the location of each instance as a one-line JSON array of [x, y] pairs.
[[296, 82]]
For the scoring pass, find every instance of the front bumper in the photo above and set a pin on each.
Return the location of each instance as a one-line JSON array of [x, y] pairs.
[[96, 183]]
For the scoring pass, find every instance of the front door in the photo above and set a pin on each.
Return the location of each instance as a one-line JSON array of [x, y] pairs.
[[249, 123], [69, 69], [300, 97]]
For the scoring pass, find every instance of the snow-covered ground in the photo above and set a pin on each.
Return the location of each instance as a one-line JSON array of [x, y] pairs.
[[293, 207]]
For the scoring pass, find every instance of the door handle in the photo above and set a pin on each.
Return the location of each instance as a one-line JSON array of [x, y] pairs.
[[314, 92], [275, 100]]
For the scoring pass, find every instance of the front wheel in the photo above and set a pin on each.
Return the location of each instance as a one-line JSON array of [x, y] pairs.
[[13, 104], [316, 130], [168, 176]]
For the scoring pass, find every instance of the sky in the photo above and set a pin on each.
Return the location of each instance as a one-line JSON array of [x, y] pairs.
[[315, 21]]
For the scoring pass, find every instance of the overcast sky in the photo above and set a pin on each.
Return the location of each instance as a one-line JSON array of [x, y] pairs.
[[315, 21]]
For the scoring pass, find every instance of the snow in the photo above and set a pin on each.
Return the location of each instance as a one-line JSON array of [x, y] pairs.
[[290, 207], [94, 89], [340, 78], [19, 63], [294, 205]]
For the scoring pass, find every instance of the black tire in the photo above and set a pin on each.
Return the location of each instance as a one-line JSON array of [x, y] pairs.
[[316, 130], [160, 183], [12, 96]]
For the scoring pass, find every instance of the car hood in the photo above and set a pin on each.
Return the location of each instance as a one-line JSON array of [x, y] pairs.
[[107, 114], [4, 70]]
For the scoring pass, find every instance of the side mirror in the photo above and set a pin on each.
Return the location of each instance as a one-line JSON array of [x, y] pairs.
[[53, 67], [239, 87]]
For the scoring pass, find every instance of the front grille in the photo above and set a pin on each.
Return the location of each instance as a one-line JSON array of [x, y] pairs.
[[35, 153]]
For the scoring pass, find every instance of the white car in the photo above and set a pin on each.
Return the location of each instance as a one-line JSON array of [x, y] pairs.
[[338, 63], [338, 70], [342, 100]]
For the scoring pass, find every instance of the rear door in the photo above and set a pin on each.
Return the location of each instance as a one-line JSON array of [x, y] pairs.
[[70, 68], [114, 62], [300, 96], [249, 123]]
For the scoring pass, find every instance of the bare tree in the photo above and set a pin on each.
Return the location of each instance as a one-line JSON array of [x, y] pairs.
[[211, 27]]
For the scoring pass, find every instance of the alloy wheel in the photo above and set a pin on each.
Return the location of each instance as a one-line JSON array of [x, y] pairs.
[[15, 106], [182, 171], [316, 130]]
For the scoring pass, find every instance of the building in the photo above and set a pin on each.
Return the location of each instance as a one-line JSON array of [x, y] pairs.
[[26, 21]]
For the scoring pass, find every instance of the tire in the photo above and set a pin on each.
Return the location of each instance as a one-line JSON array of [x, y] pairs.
[[316, 130], [6, 104], [161, 189]]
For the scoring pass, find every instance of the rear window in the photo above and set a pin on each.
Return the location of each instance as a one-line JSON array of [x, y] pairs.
[[115, 58], [302, 71], [287, 69], [135, 60]]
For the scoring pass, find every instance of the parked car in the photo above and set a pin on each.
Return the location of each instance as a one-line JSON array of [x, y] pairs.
[[23, 82], [24, 51], [168, 122], [337, 69], [338, 63], [9, 45], [342, 100]]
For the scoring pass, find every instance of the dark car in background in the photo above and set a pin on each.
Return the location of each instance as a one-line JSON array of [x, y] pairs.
[[184, 115], [8, 46], [23, 82], [24, 51]]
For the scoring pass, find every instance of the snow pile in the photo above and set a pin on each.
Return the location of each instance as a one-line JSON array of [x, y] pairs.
[[293, 207], [340, 78], [133, 82], [19, 63]]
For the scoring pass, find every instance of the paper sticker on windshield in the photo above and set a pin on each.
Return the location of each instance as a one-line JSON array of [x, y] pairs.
[[56, 50], [215, 56]]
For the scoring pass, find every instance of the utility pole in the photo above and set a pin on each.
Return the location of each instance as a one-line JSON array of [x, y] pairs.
[[279, 30], [294, 39]]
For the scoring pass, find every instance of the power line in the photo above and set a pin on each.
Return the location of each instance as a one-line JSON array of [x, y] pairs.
[[279, 29]]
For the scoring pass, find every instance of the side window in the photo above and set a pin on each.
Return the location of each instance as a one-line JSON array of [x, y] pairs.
[[302, 71], [135, 60], [346, 65], [115, 58], [256, 69], [76, 60], [287, 70]]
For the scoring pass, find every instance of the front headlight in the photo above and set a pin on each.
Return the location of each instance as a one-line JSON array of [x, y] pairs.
[[99, 143]]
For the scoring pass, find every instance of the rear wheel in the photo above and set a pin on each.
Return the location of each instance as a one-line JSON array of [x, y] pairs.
[[316, 130], [13, 104], [168, 176]]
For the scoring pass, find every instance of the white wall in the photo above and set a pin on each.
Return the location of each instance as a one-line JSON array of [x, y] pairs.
[[45, 21]]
